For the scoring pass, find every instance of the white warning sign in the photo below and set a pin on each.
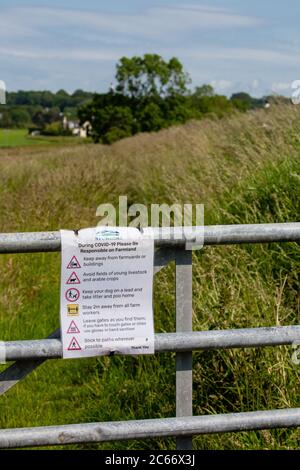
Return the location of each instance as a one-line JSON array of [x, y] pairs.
[[73, 279], [73, 328], [106, 286], [73, 264]]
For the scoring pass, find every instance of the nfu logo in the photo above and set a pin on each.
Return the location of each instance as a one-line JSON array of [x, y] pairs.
[[107, 234], [296, 92], [2, 92]]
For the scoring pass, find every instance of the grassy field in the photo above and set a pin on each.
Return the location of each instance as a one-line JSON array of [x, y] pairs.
[[15, 138], [20, 138], [245, 169]]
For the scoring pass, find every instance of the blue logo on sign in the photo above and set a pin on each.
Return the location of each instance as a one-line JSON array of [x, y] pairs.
[[107, 234]]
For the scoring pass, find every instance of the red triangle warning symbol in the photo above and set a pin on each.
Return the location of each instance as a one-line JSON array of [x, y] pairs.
[[73, 328], [73, 279], [74, 345], [74, 263]]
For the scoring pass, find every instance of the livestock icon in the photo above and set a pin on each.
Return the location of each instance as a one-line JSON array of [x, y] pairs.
[[72, 295], [73, 279]]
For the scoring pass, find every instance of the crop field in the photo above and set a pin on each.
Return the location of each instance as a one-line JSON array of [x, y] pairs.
[[244, 169]]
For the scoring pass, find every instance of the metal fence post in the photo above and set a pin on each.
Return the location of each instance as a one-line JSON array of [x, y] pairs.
[[184, 373]]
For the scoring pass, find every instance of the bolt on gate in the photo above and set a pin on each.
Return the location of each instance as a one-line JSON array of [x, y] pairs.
[[28, 355]]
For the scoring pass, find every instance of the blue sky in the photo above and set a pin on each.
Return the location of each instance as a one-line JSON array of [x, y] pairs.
[[233, 44]]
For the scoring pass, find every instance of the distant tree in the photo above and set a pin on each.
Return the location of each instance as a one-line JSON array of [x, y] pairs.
[[71, 112], [205, 101], [150, 76], [38, 119], [46, 116], [5, 119], [15, 117], [150, 94], [20, 117], [79, 97], [62, 99], [56, 129], [112, 123], [47, 99], [178, 109], [244, 102], [151, 117], [22, 98], [204, 90]]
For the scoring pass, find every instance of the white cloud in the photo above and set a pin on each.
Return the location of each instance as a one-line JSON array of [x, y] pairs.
[[153, 23], [193, 53], [14, 25], [242, 54], [221, 85], [255, 84], [60, 54], [86, 45], [278, 87], [82, 35], [216, 17]]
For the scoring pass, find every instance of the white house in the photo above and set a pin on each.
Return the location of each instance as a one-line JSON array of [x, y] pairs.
[[77, 130]]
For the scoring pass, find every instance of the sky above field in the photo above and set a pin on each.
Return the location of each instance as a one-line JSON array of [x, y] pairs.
[[234, 45]]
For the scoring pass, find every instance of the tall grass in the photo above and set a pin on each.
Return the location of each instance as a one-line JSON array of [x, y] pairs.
[[245, 169]]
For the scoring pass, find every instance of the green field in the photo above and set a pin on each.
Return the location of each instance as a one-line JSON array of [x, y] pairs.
[[20, 138], [245, 169], [15, 138]]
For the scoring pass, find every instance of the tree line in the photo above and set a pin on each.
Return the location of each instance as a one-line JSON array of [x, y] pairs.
[[39, 109], [149, 94]]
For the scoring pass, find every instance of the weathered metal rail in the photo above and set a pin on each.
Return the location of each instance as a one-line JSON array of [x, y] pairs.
[[171, 342], [28, 355], [184, 427], [30, 242]]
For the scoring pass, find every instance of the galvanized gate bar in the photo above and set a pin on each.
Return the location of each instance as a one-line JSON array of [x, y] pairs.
[[184, 322], [20, 369], [149, 428], [169, 342], [227, 339], [252, 233], [16, 372], [229, 234], [30, 242]]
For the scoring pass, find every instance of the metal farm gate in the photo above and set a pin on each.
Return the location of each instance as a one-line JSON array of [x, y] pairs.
[[28, 355]]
